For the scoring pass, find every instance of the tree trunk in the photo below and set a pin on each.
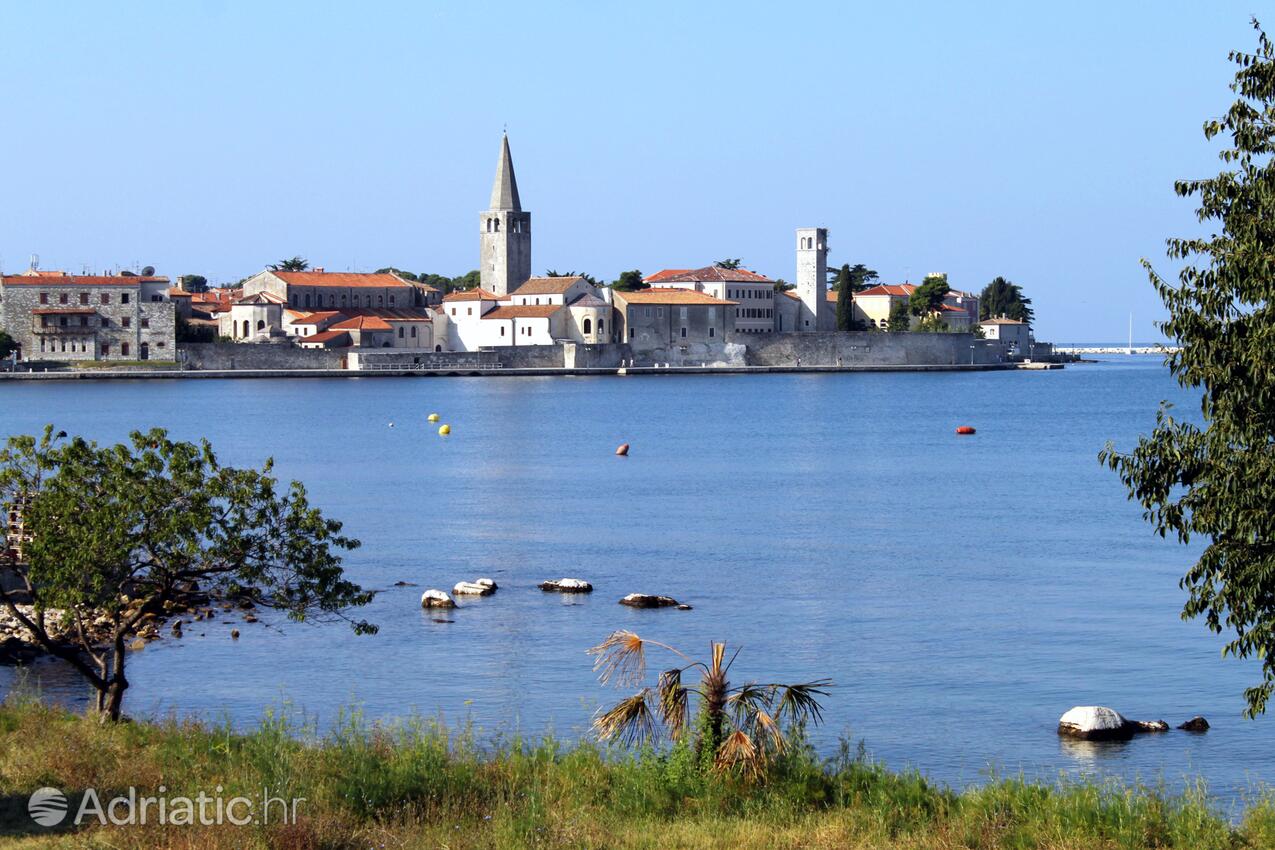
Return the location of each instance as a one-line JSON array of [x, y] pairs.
[[111, 697]]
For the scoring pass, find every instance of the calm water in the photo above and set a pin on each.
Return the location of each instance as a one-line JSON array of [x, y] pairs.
[[961, 592]]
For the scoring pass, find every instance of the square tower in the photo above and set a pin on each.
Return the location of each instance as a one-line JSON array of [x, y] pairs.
[[504, 232], [812, 280]]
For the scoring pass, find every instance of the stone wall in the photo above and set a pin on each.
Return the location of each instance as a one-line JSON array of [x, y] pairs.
[[233, 355], [869, 349], [497, 357]]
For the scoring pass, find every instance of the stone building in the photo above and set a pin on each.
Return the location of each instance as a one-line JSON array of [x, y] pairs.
[[542, 311], [755, 293], [58, 316], [504, 232], [665, 319]]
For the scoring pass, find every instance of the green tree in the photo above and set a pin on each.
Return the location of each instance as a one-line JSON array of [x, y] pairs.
[[118, 532], [399, 272], [782, 285], [1003, 298], [728, 263], [588, 277], [193, 283], [928, 297], [859, 276], [7, 345], [845, 288], [1216, 481], [293, 264], [900, 317], [741, 727], [630, 281]]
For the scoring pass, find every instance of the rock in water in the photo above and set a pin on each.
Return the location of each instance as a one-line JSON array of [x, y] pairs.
[[478, 587], [1095, 723], [567, 585], [643, 600], [1195, 724], [437, 599]]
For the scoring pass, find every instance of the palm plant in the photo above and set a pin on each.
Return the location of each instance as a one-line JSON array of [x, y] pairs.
[[741, 728], [292, 264]]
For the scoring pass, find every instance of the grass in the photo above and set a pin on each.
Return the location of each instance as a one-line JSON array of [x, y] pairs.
[[124, 364], [418, 785]]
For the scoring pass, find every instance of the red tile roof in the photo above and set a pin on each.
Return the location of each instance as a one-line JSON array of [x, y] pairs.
[[547, 285], [475, 294], [346, 279], [262, 297], [523, 311], [714, 274], [362, 323], [316, 318], [175, 292], [656, 295], [895, 289], [50, 279], [341, 338], [664, 274]]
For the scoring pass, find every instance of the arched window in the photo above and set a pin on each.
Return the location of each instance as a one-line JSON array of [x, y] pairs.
[[261, 326], [413, 331], [331, 300], [496, 222], [588, 325], [391, 300], [247, 328], [307, 299], [342, 299], [601, 325], [438, 348], [380, 300]]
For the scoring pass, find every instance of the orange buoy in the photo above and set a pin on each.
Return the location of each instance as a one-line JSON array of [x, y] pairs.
[[623, 450], [965, 429]]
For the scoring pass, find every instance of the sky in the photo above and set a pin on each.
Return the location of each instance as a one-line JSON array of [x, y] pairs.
[[1038, 142]]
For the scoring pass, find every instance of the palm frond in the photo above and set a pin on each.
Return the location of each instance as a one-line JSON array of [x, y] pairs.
[[800, 703], [674, 705], [738, 752], [621, 657], [747, 699], [630, 720], [768, 732]]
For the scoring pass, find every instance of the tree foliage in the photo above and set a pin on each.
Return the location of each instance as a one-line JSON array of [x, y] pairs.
[[741, 728], [729, 263], [630, 281], [928, 297], [1001, 298], [1216, 482], [900, 318], [7, 344], [117, 532], [588, 277], [292, 264], [193, 283]]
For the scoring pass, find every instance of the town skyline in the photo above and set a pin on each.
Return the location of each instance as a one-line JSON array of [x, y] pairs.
[[660, 177]]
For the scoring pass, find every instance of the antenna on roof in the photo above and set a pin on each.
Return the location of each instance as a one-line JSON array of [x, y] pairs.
[[35, 262]]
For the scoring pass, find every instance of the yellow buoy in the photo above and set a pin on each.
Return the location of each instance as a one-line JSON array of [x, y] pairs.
[[433, 417], [445, 430]]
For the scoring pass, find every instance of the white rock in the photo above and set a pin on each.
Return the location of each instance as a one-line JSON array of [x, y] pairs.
[[567, 585], [437, 599], [1094, 723], [481, 587]]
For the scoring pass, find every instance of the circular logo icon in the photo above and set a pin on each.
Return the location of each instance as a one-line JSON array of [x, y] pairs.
[[47, 806]]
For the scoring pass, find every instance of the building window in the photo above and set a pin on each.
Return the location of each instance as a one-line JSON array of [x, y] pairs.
[[683, 333], [106, 349], [62, 299], [44, 298], [631, 333], [453, 311], [600, 325], [106, 298], [646, 311], [380, 300], [469, 311], [126, 322], [124, 349], [84, 321], [681, 312], [261, 326], [84, 298], [159, 344], [391, 300], [502, 330], [712, 331], [438, 348], [588, 326], [400, 331], [146, 323], [413, 331], [124, 300], [307, 299]]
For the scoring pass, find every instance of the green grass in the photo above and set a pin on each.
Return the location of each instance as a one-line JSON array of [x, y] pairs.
[[416, 784], [124, 364]]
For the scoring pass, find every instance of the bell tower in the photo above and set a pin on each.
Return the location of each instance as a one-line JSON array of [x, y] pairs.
[[504, 232], [812, 280]]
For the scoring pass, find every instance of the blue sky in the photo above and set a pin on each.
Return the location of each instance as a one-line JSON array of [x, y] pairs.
[[1038, 142]]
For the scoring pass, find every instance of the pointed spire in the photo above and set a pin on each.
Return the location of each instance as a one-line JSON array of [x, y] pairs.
[[504, 192]]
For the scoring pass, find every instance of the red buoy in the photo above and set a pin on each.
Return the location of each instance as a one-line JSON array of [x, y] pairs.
[[965, 429]]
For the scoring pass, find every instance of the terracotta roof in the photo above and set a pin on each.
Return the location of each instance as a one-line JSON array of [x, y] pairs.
[[791, 293], [475, 294], [1001, 322], [262, 297], [952, 308], [547, 285], [656, 295], [715, 274], [78, 280], [340, 279], [64, 311], [340, 337], [588, 300], [664, 274], [221, 297], [362, 323], [895, 289], [316, 318], [523, 311], [175, 292], [832, 295]]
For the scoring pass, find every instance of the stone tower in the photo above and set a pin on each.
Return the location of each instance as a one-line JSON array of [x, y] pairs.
[[812, 280], [505, 232]]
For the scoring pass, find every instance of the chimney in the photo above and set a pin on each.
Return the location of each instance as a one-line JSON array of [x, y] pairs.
[[318, 270]]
